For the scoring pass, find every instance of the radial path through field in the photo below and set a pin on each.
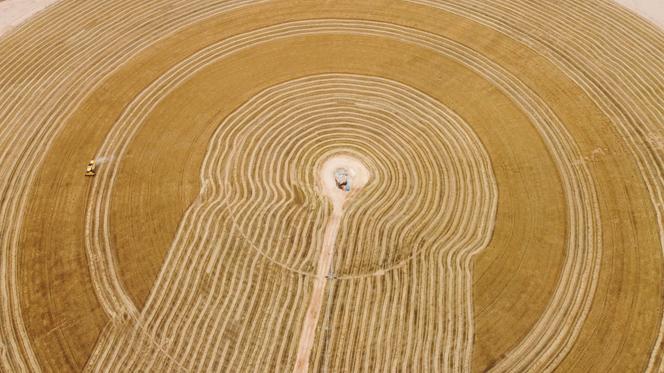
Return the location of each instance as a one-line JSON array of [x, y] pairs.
[[357, 176]]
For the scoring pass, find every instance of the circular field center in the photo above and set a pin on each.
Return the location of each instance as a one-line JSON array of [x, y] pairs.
[[332, 186]]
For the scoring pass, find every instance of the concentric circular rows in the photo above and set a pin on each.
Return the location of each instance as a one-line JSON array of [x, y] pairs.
[[512, 221], [432, 186]]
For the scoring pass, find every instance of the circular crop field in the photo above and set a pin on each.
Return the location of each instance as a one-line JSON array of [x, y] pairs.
[[332, 186]]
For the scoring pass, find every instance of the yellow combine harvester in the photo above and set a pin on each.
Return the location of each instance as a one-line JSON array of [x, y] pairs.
[[91, 170]]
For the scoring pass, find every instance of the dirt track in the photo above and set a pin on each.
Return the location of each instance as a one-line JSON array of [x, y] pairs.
[[513, 221]]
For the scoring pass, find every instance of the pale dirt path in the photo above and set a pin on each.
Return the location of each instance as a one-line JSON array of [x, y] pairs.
[[15, 12], [358, 176]]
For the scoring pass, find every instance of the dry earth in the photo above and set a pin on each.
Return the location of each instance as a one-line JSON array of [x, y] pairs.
[[506, 211], [652, 10], [14, 12]]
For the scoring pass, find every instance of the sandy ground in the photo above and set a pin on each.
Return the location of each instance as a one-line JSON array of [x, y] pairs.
[[650, 9], [358, 176], [13, 12]]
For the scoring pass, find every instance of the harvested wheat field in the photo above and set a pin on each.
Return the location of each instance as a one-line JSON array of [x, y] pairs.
[[332, 186]]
